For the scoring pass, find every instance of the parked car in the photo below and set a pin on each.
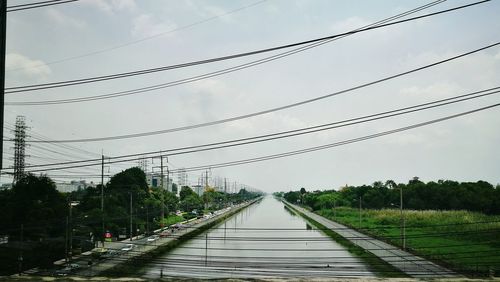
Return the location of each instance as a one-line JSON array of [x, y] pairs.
[[153, 238], [165, 233], [63, 272], [128, 247], [99, 253]]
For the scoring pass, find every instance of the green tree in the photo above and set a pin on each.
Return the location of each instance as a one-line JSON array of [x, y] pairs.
[[185, 191], [192, 202]]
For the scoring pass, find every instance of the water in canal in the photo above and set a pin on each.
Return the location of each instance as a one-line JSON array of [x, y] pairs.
[[263, 240]]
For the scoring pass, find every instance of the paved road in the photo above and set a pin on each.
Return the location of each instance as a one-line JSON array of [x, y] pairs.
[[408, 263]]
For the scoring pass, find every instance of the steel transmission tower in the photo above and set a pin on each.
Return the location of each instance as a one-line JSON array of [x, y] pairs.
[[19, 147], [143, 164], [182, 178]]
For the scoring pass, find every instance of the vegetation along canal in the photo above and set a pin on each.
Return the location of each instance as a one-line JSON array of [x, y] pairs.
[[266, 239]]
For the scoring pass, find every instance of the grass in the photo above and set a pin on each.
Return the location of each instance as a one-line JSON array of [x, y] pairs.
[[380, 267], [464, 241], [172, 219]]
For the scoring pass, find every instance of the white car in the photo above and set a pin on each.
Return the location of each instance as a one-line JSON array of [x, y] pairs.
[[128, 247], [153, 238]]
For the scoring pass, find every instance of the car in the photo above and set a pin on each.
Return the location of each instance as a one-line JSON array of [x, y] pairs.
[[62, 272], [99, 253], [165, 233], [153, 238], [128, 247], [73, 266]]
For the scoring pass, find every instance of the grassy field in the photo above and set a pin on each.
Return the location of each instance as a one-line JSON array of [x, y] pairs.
[[468, 242], [172, 219]]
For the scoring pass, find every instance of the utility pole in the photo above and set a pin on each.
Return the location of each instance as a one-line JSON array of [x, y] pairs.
[[206, 179], [335, 209], [3, 43], [66, 239], [131, 216], [102, 198], [70, 230], [359, 212], [147, 219], [206, 248], [20, 259], [402, 222], [162, 192], [169, 188]]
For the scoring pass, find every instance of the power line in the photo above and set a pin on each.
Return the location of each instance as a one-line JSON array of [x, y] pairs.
[[309, 149], [194, 126], [336, 144], [211, 74], [35, 5], [306, 130], [118, 46], [34, 87]]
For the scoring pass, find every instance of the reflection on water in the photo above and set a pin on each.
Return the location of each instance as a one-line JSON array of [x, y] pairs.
[[290, 211], [261, 241]]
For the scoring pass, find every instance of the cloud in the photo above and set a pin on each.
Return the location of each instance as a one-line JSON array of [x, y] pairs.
[[497, 56], [145, 25], [441, 89], [123, 4], [112, 6], [348, 24], [63, 20], [26, 66], [209, 11]]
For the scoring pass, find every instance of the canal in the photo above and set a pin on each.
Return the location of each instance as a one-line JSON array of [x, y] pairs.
[[266, 239]]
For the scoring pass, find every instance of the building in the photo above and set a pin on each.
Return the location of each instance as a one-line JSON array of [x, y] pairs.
[[74, 185], [154, 181], [198, 189]]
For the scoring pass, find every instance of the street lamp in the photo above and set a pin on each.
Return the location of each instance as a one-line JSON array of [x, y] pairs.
[[402, 223], [71, 205]]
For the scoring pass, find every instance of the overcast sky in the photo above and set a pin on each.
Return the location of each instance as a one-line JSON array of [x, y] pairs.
[[42, 45]]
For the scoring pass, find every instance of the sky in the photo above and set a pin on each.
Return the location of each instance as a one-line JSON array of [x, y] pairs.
[[99, 37]]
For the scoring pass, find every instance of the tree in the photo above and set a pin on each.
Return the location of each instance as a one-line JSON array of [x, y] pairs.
[[35, 201], [192, 202], [185, 191], [174, 188]]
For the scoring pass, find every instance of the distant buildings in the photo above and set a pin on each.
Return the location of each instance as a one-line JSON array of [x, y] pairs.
[[154, 181], [198, 189], [74, 185]]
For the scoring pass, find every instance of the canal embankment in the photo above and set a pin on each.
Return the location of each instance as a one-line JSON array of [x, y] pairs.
[[407, 263]]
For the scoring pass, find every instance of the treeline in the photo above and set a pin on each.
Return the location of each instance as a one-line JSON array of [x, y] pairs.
[[477, 196], [36, 217]]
